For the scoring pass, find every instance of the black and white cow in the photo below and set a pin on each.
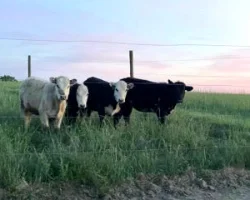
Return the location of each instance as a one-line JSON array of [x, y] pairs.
[[106, 97], [77, 100], [148, 96]]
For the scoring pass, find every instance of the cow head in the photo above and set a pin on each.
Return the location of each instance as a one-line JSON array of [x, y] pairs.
[[120, 90], [73, 81], [62, 85], [180, 88], [82, 94]]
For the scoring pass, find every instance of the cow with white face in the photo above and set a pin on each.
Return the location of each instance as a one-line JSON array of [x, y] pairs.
[[77, 100], [44, 98], [120, 90], [149, 96], [62, 87], [106, 97]]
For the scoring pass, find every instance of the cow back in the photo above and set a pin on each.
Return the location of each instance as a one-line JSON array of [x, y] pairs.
[[100, 92]]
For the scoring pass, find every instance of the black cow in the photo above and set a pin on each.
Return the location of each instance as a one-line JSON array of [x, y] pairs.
[[148, 96], [105, 97], [77, 100]]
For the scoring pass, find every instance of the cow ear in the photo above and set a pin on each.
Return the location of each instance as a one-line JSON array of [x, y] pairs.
[[170, 82], [189, 88], [73, 81], [130, 86], [112, 84], [52, 79]]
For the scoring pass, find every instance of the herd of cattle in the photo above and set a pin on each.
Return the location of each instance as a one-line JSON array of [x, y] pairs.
[[64, 98]]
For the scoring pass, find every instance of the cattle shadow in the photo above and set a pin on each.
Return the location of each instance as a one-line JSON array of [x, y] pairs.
[[216, 108], [46, 139], [219, 126], [225, 131], [38, 137], [42, 139], [219, 131]]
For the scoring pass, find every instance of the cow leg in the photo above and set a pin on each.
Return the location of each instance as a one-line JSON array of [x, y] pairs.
[[101, 114], [44, 119], [86, 114], [27, 119], [60, 115], [126, 114], [162, 119], [51, 120], [58, 122], [127, 120], [82, 113], [26, 114], [89, 112], [72, 118], [117, 118], [160, 116]]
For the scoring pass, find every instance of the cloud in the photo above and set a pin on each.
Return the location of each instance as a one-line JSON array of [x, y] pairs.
[[229, 72], [234, 63], [237, 66], [16, 34], [111, 62], [102, 53]]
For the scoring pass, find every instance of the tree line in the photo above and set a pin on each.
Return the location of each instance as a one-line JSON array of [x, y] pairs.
[[8, 78]]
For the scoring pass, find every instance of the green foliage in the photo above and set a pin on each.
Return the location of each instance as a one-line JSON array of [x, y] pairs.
[[207, 131], [8, 78]]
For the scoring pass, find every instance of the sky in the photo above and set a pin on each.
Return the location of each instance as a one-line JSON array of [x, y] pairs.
[[213, 68]]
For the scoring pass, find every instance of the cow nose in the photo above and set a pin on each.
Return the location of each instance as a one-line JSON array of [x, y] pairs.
[[82, 106], [121, 101], [63, 97]]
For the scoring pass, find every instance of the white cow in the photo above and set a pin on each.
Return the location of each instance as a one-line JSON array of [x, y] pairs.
[[44, 98]]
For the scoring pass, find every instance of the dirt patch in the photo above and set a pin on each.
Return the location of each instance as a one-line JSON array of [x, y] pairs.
[[52, 191], [207, 185], [210, 185]]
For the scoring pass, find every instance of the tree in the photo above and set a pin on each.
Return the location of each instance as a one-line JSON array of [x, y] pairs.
[[7, 78]]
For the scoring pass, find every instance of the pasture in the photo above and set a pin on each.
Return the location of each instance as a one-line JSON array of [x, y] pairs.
[[207, 131]]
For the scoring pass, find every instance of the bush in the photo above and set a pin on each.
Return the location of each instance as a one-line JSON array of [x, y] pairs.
[[8, 78]]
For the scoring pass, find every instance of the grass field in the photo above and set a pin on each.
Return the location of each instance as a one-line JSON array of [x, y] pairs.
[[208, 131]]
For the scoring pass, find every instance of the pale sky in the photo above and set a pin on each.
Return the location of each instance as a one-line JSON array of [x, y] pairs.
[[136, 21]]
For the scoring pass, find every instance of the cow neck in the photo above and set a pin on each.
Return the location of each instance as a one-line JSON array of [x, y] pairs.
[[72, 101], [57, 104]]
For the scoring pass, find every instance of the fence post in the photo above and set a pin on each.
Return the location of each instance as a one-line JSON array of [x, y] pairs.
[[131, 62], [29, 65]]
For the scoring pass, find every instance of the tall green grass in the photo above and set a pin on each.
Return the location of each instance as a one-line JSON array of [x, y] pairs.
[[207, 131]]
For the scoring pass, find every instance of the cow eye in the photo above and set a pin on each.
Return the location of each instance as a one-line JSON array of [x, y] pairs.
[[116, 89]]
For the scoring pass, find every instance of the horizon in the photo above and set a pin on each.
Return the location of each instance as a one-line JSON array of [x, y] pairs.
[[223, 69]]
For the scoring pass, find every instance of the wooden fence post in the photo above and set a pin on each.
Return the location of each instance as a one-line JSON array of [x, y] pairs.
[[29, 65], [131, 61]]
